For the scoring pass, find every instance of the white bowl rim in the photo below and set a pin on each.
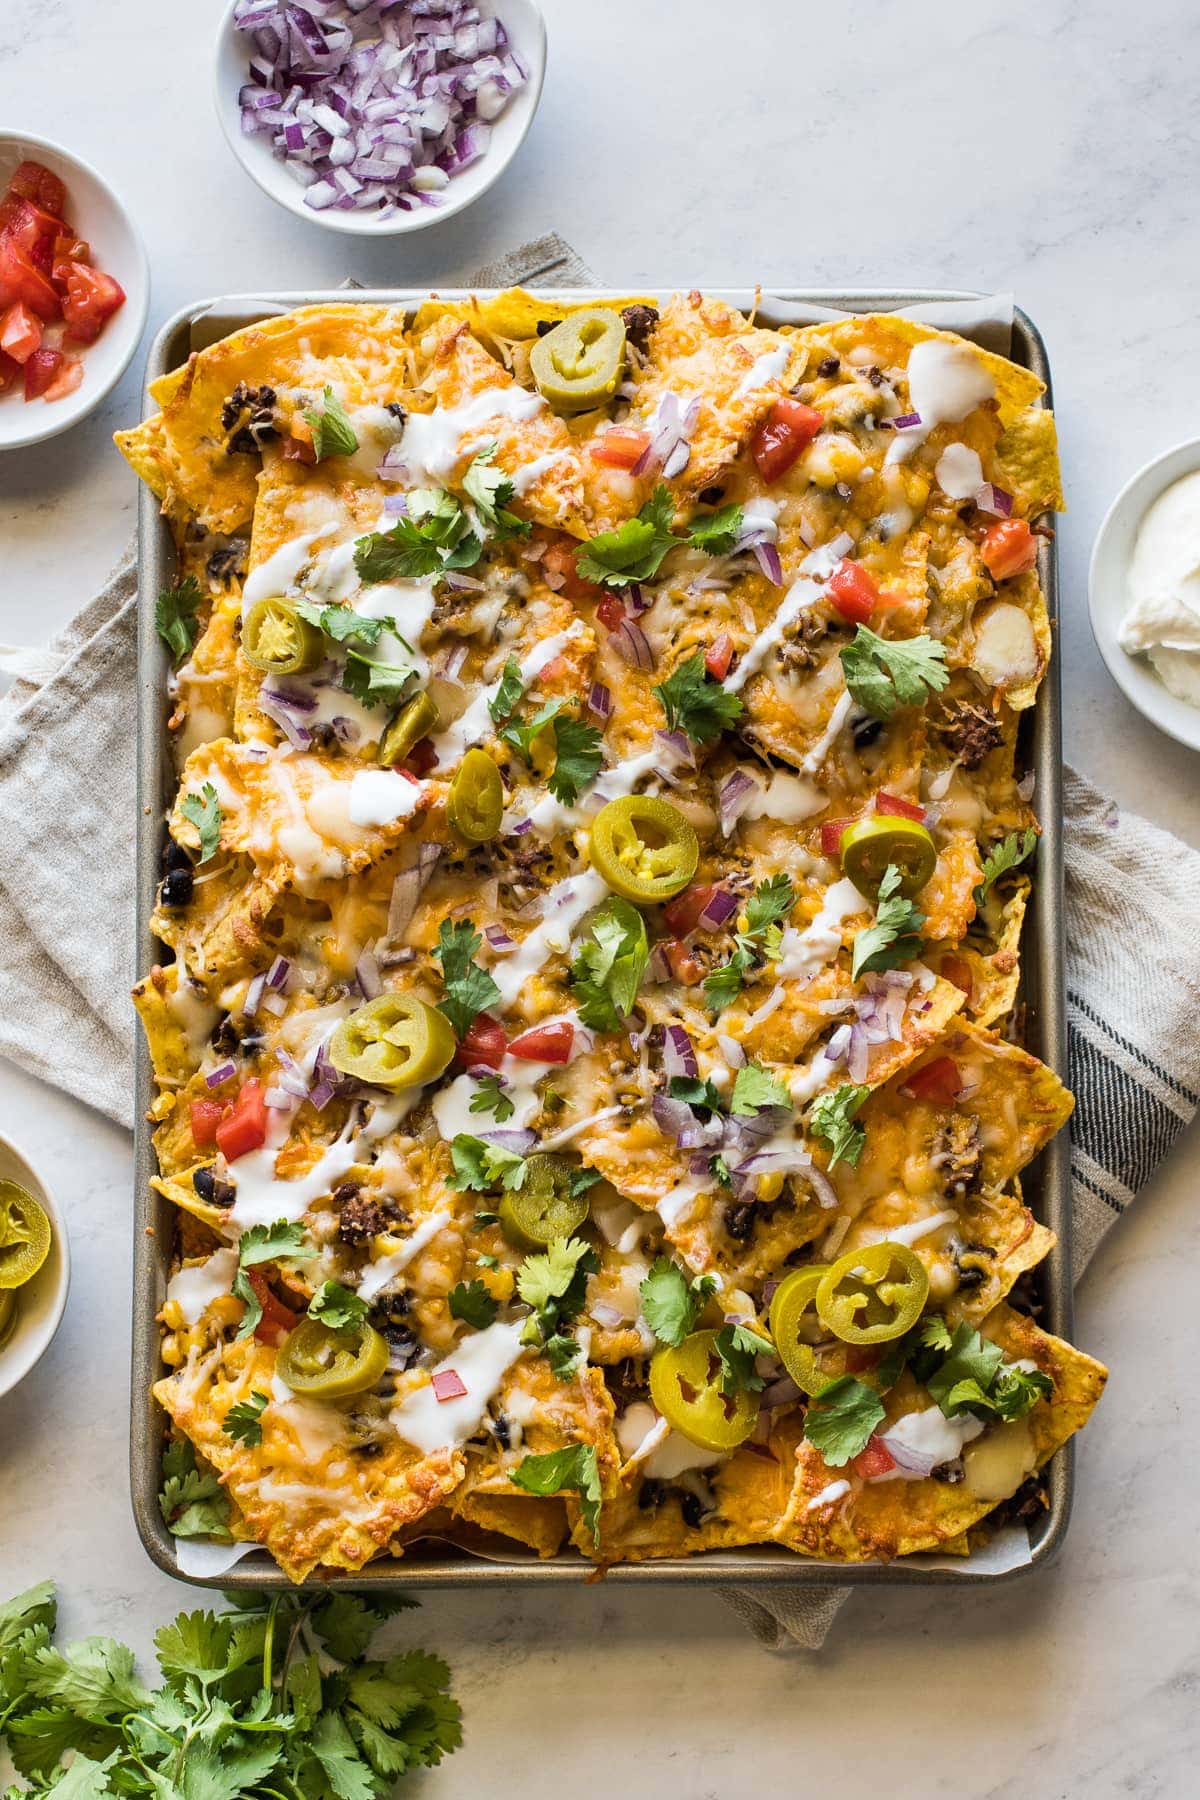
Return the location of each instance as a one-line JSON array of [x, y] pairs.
[[1132, 674], [88, 399], [58, 1225], [368, 225]]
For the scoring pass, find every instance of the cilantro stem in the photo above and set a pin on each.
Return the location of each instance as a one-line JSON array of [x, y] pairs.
[[268, 1665]]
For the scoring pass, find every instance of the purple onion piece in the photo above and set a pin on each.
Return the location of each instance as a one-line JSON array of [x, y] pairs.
[[221, 1073], [679, 1056]]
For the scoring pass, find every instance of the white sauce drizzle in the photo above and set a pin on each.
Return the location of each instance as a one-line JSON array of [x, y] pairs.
[[908, 1234], [481, 1362], [377, 1275], [563, 907], [262, 1197], [476, 722], [945, 383], [767, 368], [381, 796], [194, 1290], [828, 1495], [432, 444], [805, 953]]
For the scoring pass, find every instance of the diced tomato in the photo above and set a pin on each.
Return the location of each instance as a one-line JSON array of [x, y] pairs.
[[872, 1461], [1009, 548], [620, 447], [955, 970], [206, 1116], [558, 561], [783, 434], [421, 758], [244, 1128], [545, 1043], [10, 373], [939, 1081], [20, 332], [21, 279], [92, 297], [69, 249], [896, 808], [40, 371], [610, 612], [719, 657], [34, 181], [683, 913], [831, 836], [448, 1384], [485, 1042], [683, 965], [277, 1319], [27, 225], [297, 449], [854, 593]]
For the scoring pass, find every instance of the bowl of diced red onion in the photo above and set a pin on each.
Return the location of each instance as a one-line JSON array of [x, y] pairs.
[[378, 117]]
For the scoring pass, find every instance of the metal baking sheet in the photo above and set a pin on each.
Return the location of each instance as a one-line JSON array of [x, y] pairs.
[[434, 1564]]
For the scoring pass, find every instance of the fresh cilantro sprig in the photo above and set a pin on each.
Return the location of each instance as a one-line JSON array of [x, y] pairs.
[[508, 692], [1007, 854], [471, 1302], [573, 1469], [338, 1307], [479, 1166], [895, 937], [832, 1121], [841, 1419], [717, 532], [470, 990], [277, 1697], [636, 550], [243, 1421], [332, 432], [671, 1303], [609, 965], [204, 811], [554, 1284], [520, 735], [263, 1244], [175, 616], [375, 683], [341, 623], [490, 1097], [884, 673], [491, 490], [966, 1372], [755, 1088], [434, 535], [771, 902], [696, 705], [736, 1347], [577, 758], [192, 1501]]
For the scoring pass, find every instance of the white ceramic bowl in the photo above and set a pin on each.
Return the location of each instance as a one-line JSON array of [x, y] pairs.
[[527, 35], [1108, 597], [98, 216], [41, 1301]]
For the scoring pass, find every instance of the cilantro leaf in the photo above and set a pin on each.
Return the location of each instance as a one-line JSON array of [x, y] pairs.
[[1015, 1391], [609, 965], [694, 1093], [470, 990], [935, 1333], [694, 704], [884, 673], [755, 1088], [737, 1346], [192, 1501], [375, 683], [243, 1422], [435, 536], [723, 986], [564, 1354], [636, 550], [832, 1122], [548, 1277], [204, 812], [717, 532], [341, 623], [771, 901], [842, 1418], [508, 692], [261, 1244], [1005, 855], [332, 432], [175, 616], [471, 1302], [574, 1467], [577, 759], [671, 1302], [971, 1357], [895, 937], [479, 1165], [489, 1097], [491, 490], [337, 1306], [520, 737]]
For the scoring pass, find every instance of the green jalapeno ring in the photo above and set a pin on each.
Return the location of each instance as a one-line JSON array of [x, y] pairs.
[[862, 1300], [278, 641], [543, 1208], [416, 719], [579, 365], [793, 1310], [685, 1388], [475, 803], [24, 1236], [315, 1359], [644, 848], [873, 843], [395, 1041]]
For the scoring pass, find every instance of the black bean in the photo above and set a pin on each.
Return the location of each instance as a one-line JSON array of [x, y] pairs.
[[176, 890], [692, 1510], [711, 495], [829, 367], [650, 1494], [210, 1188], [174, 856], [865, 732], [545, 325]]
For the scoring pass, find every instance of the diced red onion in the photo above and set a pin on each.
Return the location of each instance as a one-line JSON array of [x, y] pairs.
[[221, 1073], [290, 1076], [783, 1392], [366, 970], [636, 600], [273, 1003], [905, 422], [678, 1055], [278, 1099], [764, 1162], [326, 1080], [609, 1318], [675, 1119], [773, 999], [519, 1142], [734, 797], [731, 1050], [676, 748], [767, 558], [913, 1462], [822, 1187], [499, 939], [719, 908], [599, 700], [277, 974], [452, 663], [253, 995], [448, 1384], [860, 1053], [994, 500], [658, 969], [633, 645], [669, 449], [284, 713]]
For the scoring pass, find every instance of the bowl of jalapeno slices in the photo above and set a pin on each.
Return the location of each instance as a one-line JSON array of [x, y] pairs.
[[35, 1267]]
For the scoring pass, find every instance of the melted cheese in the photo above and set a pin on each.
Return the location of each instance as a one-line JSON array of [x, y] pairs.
[[480, 1361]]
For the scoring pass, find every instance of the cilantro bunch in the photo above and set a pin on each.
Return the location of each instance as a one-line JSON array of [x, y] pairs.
[[277, 1700], [895, 937], [770, 903]]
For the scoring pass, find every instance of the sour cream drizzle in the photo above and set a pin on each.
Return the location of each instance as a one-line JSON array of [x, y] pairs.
[[481, 1362]]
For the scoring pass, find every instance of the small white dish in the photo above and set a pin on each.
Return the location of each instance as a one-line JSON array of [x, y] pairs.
[[1108, 595], [527, 36], [97, 215], [40, 1302]]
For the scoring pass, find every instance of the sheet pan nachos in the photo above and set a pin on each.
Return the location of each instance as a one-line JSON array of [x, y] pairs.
[[587, 1040]]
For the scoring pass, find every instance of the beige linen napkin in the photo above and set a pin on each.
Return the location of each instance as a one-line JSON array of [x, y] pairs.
[[67, 930]]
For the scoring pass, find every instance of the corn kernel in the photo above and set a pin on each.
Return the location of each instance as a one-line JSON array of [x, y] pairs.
[[769, 1187], [498, 1282]]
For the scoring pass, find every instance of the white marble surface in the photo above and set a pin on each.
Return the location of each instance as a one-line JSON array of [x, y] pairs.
[[1037, 144]]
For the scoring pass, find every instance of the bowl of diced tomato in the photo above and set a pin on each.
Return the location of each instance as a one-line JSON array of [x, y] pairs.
[[74, 289]]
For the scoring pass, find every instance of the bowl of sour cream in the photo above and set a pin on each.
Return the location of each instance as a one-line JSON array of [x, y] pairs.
[[1144, 592]]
